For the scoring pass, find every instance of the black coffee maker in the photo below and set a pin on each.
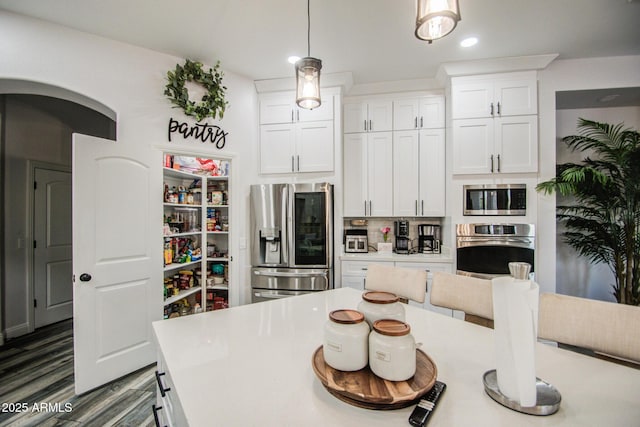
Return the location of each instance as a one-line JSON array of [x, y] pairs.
[[428, 239], [402, 236]]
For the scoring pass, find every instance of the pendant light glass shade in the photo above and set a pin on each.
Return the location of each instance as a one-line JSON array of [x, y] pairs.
[[308, 82], [308, 74], [436, 18]]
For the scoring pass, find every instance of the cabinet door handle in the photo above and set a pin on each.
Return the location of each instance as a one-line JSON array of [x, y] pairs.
[[291, 116], [415, 122], [160, 385], [499, 109], [421, 121], [155, 410], [298, 114], [365, 208], [422, 203], [492, 163], [416, 207], [365, 125], [292, 165], [498, 162], [370, 212], [370, 125], [491, 109], [298, 163]]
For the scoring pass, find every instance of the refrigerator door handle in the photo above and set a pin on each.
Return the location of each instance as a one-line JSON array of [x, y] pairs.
[[270, 295], [284, 226], [285, 274]]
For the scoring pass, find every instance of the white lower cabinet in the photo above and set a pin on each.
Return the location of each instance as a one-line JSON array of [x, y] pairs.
[[354, 275], [167, 411]]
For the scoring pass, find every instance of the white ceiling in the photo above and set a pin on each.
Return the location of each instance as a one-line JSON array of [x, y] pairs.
[[373, 39]]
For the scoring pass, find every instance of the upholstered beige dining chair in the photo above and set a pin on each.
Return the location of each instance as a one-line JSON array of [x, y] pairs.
[[606, 328], [407, 283], [469, 294]]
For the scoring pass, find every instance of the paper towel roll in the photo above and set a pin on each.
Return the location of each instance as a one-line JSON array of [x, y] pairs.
[[515, 316]]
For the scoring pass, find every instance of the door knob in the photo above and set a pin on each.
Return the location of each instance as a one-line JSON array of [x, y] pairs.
[[85, 277]]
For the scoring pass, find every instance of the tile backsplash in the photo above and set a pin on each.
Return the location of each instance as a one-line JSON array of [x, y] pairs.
[[375, 235]]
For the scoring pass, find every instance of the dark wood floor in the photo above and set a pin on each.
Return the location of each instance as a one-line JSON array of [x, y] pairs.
[[36, 386]]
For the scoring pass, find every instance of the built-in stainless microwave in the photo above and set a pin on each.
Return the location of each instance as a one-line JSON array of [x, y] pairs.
[[497, 199]]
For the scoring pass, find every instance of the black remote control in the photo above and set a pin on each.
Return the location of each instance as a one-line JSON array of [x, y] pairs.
[[427, 404]]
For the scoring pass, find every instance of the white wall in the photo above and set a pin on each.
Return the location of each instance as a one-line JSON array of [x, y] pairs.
[[574, 274], [565, 75], [130, 81]]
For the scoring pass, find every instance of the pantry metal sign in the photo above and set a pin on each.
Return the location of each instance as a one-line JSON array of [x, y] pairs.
[[198, 132]]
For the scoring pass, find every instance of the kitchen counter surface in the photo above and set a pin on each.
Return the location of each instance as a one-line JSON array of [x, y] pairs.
[[444, 257], [251, 365]]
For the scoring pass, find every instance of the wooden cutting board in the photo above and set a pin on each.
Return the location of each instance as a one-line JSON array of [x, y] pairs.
[[366, 390]]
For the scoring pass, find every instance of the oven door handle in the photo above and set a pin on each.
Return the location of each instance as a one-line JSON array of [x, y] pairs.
[[283, 274]]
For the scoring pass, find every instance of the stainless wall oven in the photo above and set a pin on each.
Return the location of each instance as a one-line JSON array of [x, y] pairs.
[[499, 199], [485, 250]]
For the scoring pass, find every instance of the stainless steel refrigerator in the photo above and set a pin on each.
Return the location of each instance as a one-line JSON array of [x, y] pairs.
[[291, 239]]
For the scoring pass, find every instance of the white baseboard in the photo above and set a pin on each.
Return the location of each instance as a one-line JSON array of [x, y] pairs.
[[16, 331]]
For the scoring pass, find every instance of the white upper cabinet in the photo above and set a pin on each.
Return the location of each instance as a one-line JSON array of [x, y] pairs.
[[295, 140], [368, 174], [496, 95], [419, 173], [299, 147], [425, 112], [370, 116], [281, 108], [504, 145]]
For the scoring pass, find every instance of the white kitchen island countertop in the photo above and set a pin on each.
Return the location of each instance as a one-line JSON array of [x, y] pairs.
[[251, 366], [444, 257]]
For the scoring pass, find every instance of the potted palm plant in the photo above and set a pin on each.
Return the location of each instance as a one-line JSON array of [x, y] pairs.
[[602, 218]]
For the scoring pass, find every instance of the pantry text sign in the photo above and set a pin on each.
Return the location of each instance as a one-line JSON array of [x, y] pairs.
[[198, 132]]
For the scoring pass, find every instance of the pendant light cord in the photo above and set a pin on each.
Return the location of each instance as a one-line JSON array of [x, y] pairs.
[[308, 28]]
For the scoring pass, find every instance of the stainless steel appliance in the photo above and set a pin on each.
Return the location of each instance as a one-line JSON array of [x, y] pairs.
[[500, 199], [356, 241], [402, 236], [485, 250], [291, 239], [429, 239]]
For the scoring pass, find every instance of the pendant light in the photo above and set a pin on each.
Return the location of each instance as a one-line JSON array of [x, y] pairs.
[[436, 18], [308, 75]]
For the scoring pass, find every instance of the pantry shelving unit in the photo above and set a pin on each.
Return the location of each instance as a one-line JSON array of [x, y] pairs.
[[196, 237]]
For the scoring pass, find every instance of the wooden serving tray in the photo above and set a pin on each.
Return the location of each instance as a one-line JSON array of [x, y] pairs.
[[366, 390]]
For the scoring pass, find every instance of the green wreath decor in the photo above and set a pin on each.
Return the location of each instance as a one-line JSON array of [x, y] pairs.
[[212, 104]]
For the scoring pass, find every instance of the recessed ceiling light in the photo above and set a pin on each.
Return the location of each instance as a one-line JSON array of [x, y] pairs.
[[293, 59], [468, 42]]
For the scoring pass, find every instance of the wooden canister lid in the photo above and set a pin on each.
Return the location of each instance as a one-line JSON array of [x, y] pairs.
[[379, 297], [346, 316], [391, 327]]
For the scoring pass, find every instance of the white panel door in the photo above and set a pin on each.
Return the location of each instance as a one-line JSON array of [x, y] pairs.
[[516, 140], [405, 114], [431, 112], [473, 146], [516, 97], [323, 112], [355, 175], [355, 117], [116, 253], [314, 147], [380, 173], [432, 173], [471, 100], [52, 254], [380, 115], [405, 173], [277, 148], [277, 108]]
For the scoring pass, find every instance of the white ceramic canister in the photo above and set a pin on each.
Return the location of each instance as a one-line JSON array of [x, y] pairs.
[[392, 350], [381, 305], [346, 340]]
